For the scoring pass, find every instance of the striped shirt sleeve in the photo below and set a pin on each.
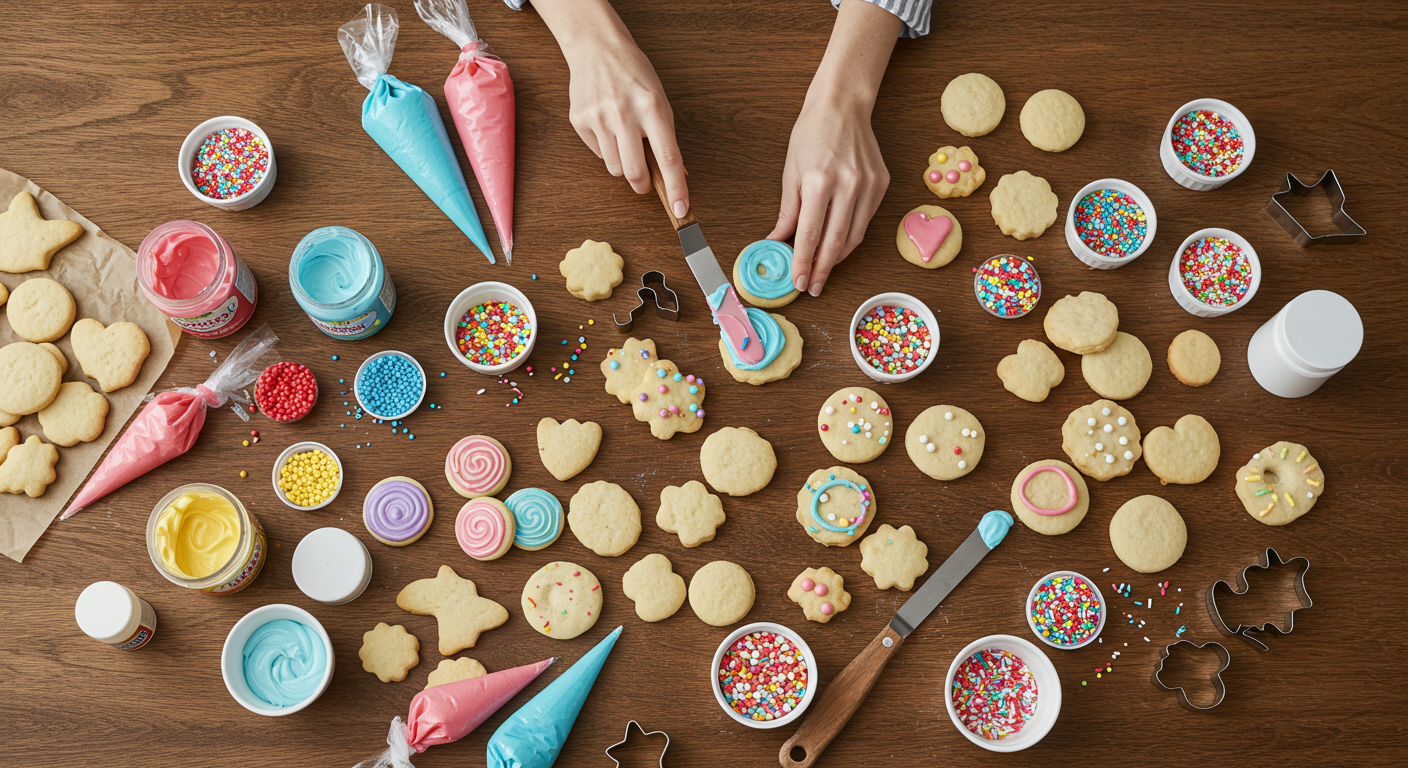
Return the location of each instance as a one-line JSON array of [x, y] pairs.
[[914, 13]]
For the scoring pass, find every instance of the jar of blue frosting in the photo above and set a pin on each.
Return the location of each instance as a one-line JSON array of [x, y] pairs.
[[339, 280]]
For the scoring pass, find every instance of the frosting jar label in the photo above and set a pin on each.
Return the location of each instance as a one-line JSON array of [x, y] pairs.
[[251, 566], [358, 327]]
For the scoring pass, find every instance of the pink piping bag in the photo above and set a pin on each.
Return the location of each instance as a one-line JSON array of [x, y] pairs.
[[480, 94], [168, 426]]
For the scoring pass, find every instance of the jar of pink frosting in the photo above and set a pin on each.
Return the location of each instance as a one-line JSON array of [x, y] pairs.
[[195, 278]]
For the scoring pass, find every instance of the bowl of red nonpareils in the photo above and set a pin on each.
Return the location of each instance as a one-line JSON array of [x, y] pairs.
[[286, 391]]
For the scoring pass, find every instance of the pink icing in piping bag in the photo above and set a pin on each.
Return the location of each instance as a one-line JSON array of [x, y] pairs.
[[732, 319]]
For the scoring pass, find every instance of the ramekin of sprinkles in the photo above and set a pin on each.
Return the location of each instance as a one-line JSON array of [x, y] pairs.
[[1002, 693], [1207, 143], [227, 162], [894, 337], [286, 391], [764, 675], [491, 327], [1110, 223], [389, 385], [1065, 610], [1214, 271], [1007, 286], [314, 474]]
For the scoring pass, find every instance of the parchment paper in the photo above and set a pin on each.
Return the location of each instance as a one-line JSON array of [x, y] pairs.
[[101, 273]]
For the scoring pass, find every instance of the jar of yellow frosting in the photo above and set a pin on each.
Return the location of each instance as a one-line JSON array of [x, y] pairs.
[[201, 537]]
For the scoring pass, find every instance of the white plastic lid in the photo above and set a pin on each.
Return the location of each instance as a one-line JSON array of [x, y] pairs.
[[331, 566], [107, 611], [1323, 330]]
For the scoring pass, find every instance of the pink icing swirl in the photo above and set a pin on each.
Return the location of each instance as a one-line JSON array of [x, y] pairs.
[[480, 529], [476, 464]]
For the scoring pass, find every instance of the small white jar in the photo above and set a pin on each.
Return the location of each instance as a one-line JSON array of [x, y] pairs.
[[332, 566], [112, 613], [1315, 335]]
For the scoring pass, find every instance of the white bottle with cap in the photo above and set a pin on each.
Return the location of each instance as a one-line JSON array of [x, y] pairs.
[[112, 613], [1315, 335], [332, 566]]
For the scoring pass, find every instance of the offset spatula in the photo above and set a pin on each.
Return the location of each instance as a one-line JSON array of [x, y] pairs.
[[728, 311]]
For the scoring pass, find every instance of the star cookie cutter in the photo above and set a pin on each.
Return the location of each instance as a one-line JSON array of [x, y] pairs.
[[1350, 231], [1268, 560], [652, 289], [1217, 684], [627, 738]]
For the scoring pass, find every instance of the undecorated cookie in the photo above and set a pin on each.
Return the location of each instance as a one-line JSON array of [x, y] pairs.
[[690, 511], [1278, 485], [1052, 120], [389, 652], [1032, 372], [112, 355], [1082, 324], [604, 518], [1193, 358], [721, 593], [457, 607], [667, 400], [762, 274], [592, 270], [855, 425], [9, 438], [945, 442], [1186, 454], [562, 600], [77, 415], [569, 447], [894, 558], [1050, 497], [1148, 534], [455, 670], [1101, 439], [4, 294], [28, 467], [954, 172], [485, 528], [737, 461], [929, 237], [29, 378], [27, 240], [972, 104], [58, 355], [654, 587], [1121, 370], [835, 506], [625, 365], [40, 310], [821, 592], [783, 350], [478, 466], [1023, 205]]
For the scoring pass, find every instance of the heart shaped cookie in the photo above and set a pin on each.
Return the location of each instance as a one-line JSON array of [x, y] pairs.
[[112, 355], [1032, 372], [1186, 454], [569, 447]]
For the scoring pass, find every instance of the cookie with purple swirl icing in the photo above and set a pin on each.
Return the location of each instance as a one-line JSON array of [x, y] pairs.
[[397, 511]]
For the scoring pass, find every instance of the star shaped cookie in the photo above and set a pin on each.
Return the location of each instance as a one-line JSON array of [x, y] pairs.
[[690, 511], [27, 240], [456, 605]]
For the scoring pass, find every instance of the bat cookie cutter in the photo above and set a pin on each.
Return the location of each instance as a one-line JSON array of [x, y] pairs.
[[1268, 560], [627, 738], [1218, 686], [1350, 231], [652, 289]]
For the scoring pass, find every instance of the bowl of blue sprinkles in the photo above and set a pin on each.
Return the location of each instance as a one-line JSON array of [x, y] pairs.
[[389, 385]]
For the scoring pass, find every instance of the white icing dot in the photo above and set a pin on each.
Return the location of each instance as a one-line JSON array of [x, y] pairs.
[[1129, 454], [948, 415], [1089, 431], [1309, 495], [1105, 411], [865, 425], [1099, 446], [850, 423], [1124, 440], [962, 465], [965, 431], [1109, 428], [923, 439], [887, 423], [825, 498], [830, 410], [1122, 421], [843, 442], [874, 406], [1109, 459], [930, 447], [867, 434], [831, 516], [886, 432], [1090, 422], [974, 433], [1256, 455]]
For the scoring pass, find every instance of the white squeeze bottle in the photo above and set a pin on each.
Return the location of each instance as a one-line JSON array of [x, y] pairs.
[[112, 613]]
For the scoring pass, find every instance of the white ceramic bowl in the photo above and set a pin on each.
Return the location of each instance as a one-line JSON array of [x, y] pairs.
[[357, 388], [192, 143], [894, 300], [1184, 175], [1100, 598], [1083, 251], [978, 286], [478, 294], [232, 657], [300, 448], [813, 677], [1185, 298], [1048, 692]]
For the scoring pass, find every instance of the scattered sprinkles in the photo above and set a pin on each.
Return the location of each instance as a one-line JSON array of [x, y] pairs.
[[1066, 610], [1207, 143], [1006, 286], [994, 693], [1111, 223], [229, 163], [286, 391], [763, 676], [893, 340], [1215, 271]]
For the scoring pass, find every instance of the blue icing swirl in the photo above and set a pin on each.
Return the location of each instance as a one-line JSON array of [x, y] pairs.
[[994, 526], [833, 481], [284, 662], [537, 517], [775, 258], [769, 334]]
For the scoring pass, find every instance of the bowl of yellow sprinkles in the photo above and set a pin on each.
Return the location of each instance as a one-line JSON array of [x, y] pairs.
[[307, 476]]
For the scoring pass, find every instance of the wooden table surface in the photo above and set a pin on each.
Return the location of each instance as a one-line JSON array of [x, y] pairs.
[[94, 103]]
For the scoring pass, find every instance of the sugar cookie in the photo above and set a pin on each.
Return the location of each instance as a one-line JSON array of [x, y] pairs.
[[457, 607], [1121, 370], [77, 415], [27, 240], [397, 511], [7, 418], [945, 442], [821, 592], [4, 294], [40, 310], [455, 670], [58, 355], [1186, 454], [605, 518], [389, 652], [484, 528], [835, 506], [1193, 358], [721, 593], [1082, 324], [1148, 534], [1052, 120], [28, 467], [654, 587], [1050, 497], [1279, 484], [690, 511], [762, 274], [562, 600], [954, 172], [1023, 205], [668, 400], [569, 447], [9, 438], [112, 355], [1032, 372], [737, 461], [592, 270], [929, 237], [537, 518], [894, 557], [972, 104], [478, 466], [625, 366], [782, 350], [855, 425], [1101, 439], [29, 378]]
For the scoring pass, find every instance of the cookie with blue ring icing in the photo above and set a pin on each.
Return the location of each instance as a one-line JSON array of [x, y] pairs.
[[762, 274], [782, 345], [537, 517], [835, 506]]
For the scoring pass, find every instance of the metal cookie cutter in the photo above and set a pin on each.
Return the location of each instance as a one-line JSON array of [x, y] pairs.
[[1350, 231], [627, 738], [652, 289], [1268, 560], [1217, 683]]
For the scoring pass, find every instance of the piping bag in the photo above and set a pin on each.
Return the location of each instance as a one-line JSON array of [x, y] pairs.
[[445, 713], [169, 424], [480, 94], [404, 120]]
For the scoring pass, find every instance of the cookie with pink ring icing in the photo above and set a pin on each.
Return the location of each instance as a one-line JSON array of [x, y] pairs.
[[484, 528], [397, 511], [477, 466], [668, 400], [821, 593], [1050, 497], [929, 237], [954, 172]]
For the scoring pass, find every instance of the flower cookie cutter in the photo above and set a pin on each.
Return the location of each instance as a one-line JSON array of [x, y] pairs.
[[652, 289], [1218, 686], [627, 738], [1350, 231], [1267, 560]]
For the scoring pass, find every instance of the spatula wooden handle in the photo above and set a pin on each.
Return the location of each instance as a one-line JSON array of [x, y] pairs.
[[838, 701], [658, 180]]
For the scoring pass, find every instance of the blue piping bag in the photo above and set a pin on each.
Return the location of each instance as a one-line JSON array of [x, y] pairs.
[[405, 121], [533, 736]]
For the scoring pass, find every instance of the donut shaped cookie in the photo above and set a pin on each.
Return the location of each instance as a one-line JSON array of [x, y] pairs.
[[855, 425], [929, 237], [1050, 497], [537, 518], [835, 506], [562, 600], [1280, 483], [397, 511], [484, 528], [477, 466], [945, 442], [762, 274]]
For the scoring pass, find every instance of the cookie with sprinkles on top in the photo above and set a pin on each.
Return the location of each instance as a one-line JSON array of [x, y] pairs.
[[835, 506], [562, 600], [855, 425], [945, 442], [625, 365], [668, 400], [1280, 483]]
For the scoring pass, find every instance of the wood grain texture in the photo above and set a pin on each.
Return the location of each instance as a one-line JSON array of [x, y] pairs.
[[96, 98]]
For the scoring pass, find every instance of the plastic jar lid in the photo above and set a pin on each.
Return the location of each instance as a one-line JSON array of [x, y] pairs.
[[332, 566], [107, 611]]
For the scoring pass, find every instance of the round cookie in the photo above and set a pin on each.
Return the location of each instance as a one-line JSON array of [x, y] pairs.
[[972, 104], [1101, 439], [604, 518], [537, 518], [1082, 324], [397, 511], [455, 670], [4, 294], [954, 172], [821, 592], [654, 587], [1148, 534], [1186, 454], [1280, 483], [485, 528], [478, 466], [1193, 358], [835, 506], [40, 310], [1042, 497], [775, 332], [1121, 370], [929, 237], [945, 442], [562, 600], [29, 378], [58, 355], [1023, 205], [721, 593], [894, 558], [1052, 120], [762, 274], [855, 425], [737, 461], [592, 270]]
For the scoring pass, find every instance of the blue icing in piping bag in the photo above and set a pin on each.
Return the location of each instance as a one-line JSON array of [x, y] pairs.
[[533, 736], [405, 121]]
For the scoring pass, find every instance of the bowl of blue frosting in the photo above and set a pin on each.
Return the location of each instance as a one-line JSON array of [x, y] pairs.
[[277, 660]]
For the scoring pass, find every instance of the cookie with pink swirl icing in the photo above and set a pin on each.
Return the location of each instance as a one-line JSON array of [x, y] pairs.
[[484, 528], [397, 511], [478, 466]]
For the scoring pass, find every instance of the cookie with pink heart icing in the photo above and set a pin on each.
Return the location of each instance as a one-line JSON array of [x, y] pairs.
[[397, 511], [478, 466], [954, 172], [929, 237], [485, 528]]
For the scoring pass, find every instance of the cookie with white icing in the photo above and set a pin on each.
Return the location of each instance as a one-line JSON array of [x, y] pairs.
[[945, 442]]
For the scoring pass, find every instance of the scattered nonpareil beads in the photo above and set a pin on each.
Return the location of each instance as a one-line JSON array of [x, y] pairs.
[[1215, 271], [893, 340], [229, 163], [763, 676], [1207, 143], [1007, 286], [994, 694], [286, 392], [1111, 223]]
